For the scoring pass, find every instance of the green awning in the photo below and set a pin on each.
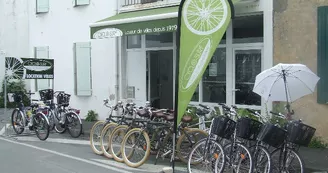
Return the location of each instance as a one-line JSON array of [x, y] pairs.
[[138, 22]]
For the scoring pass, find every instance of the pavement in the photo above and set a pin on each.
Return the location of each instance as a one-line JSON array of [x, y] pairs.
[[61, 153]]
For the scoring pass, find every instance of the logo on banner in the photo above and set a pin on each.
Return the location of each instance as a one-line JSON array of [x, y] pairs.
[[107, 33]]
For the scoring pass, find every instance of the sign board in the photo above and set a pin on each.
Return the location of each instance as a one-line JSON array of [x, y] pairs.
[[29, 68]]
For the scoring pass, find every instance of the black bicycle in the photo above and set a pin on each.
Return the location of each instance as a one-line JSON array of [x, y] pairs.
[[32, 117]]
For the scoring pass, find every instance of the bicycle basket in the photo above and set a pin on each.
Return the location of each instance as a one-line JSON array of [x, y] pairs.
[[18, 97], [300, 134], [248, 128], [47, 94], [63, 98], [223, 127], [272, 135]]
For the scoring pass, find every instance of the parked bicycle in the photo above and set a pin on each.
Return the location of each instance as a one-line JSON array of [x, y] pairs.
[[67, 118], [31, 117]]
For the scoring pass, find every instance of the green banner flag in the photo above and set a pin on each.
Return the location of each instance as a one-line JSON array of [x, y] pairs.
[[202, 26]]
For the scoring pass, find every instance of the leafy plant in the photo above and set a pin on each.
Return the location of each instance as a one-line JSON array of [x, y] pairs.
[[14, 86], [92, 116], [318, 142]]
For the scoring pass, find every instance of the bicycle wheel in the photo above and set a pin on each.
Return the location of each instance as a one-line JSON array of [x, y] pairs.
[[135, 142], [187, 140], [18, 121], [293, 163], [238, 158], [74, 124], [104, 139], [58, 127], [41, 124], [95, 137], [51, 118], [206, 156], [115, 142], [261, 159]]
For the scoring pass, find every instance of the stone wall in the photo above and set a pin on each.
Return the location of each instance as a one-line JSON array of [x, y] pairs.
[[295, 41]]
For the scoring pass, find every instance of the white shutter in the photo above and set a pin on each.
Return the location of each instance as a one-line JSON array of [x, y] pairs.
[[42, 53], [82, 2], [83, 80], [42, 6]]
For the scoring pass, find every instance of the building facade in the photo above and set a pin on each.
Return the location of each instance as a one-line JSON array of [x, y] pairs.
[[298, 28], [139, 64]]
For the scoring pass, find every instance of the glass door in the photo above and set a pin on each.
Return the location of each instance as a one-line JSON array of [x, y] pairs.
[[247, 63]]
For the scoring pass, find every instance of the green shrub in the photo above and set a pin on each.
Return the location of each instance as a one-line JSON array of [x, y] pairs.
[[92, 116], [13, 87], [318, 142]]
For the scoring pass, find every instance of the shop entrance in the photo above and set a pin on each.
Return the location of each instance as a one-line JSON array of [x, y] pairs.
[[160, 78]]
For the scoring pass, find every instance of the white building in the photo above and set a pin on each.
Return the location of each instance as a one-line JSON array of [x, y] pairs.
[[140, 67]]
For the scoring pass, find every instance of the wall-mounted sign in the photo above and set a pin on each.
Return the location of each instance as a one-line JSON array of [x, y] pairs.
[[107, 33], [29, 68]]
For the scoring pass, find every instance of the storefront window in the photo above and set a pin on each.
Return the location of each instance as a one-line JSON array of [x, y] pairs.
[[248, 65], [195, 97], [248, 29], [214, 78], [134, 41], [159, 40]]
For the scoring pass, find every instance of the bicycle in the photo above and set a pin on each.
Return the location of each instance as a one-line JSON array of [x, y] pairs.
[[109, 126], [157, 130], [117, 135], [225, 127], [32, 116], [293, 135], [66, 117]]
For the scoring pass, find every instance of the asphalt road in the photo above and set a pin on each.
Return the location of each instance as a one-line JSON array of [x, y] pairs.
[[16, 157]]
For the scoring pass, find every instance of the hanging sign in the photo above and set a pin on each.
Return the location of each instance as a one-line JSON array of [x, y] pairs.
[[29, 68]]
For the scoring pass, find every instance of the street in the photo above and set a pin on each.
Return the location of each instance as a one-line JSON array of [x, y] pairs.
[[22, 157]]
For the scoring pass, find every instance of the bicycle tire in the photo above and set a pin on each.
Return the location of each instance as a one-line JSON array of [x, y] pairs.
[[106, 131], [181, 139], [23, 121], [126, 158], [246, 149], [92, 133], [116, 154], [79, 121], [58, 127], [51, 120], [199, 145], [45, 119], [268, 167], [293, 152]]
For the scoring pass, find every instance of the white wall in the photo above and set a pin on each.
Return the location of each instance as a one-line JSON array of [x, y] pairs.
[[13, 31], [59, 29]]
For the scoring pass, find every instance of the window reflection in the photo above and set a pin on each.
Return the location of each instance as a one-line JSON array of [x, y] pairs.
[[214, 78], [247, 65]]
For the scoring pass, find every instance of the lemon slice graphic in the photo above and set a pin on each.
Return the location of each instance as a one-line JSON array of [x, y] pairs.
[[204, 17]]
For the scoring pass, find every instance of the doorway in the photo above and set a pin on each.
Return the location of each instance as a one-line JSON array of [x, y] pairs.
[[160, 78]]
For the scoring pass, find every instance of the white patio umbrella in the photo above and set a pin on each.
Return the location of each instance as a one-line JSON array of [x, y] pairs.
[[285, 82]]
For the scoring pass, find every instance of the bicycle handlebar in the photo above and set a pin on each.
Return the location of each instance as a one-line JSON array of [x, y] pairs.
[[278, 114]]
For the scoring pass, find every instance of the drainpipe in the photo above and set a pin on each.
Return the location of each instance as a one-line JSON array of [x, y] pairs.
[[118, 49]]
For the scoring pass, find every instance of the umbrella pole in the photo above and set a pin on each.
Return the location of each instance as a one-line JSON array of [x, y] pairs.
[[285, 83]]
